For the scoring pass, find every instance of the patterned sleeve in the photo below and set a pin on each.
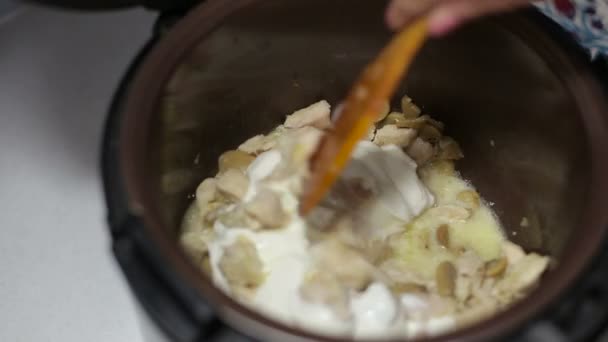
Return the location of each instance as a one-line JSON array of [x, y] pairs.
[[585, 19]]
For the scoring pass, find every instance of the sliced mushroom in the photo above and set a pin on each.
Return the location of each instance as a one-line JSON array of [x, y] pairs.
[[470, 198], [415, 123], [445, 277], [235, 159], [393, 135], [266, 208], [450, 213], [394, 118], [233, 184], [401, 288], [443, 235], [449, 149], [409, 109], [429, 133], [241, 265], [316, 115], [496, 267], [421, 151]]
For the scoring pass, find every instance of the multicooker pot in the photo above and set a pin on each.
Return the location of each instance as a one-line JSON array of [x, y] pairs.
[[231, 69]]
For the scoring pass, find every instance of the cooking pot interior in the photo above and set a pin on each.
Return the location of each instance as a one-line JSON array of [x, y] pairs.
[[518, 125]]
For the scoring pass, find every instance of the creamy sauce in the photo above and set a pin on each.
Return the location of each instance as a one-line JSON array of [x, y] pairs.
[[285, 255], [392, 176]]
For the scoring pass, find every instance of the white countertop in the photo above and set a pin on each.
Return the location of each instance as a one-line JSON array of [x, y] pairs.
[[58, 279]]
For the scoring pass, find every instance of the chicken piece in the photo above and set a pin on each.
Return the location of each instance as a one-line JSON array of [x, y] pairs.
[[235, 159], [195, 244], [324, 288], [470, 199], [514, 253], [469, 264], [233, 184], [462, 289], [254, 145], [333, 256], [524, 274], [241, 265], [237, 218], [192, 221], [260, 143], [206, 192], [421, 151], [316, 115], [304, 142], [393, 135], [266, 208]]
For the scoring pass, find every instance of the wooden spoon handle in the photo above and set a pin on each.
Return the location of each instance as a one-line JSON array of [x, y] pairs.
[[363, 104]]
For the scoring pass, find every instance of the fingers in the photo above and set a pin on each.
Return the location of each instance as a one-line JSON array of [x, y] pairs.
[[451, 14], [399, 12], [445, 15]]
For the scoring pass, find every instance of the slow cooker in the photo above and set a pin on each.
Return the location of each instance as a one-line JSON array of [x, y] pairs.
[[519, 95]]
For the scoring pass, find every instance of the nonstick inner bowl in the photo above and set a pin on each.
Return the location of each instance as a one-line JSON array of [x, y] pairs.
[[527, 114]]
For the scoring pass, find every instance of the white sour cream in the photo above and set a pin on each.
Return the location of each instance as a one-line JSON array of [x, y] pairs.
[[285, 252]]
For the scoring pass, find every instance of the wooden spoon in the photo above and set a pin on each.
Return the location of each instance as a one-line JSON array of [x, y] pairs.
[[364, 103]]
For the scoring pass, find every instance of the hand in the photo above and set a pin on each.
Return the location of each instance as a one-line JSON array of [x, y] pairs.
[[445, 15]]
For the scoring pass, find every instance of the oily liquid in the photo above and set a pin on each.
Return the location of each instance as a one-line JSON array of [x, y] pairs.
[[419, 248]]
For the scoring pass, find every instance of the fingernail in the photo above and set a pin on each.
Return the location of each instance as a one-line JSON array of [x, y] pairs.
[[441, 22]]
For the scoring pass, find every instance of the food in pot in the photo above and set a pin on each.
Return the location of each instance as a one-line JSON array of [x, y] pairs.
[[402, 245]]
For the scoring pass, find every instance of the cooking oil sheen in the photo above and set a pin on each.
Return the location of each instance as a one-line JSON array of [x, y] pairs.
[[419, 247]]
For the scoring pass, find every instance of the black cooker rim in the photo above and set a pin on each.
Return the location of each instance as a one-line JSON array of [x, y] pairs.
[[174, 306]]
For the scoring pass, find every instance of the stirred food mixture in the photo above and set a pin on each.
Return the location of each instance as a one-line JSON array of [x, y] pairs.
[[402, 245]]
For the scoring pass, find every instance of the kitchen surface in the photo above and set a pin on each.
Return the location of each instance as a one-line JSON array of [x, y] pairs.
[[58, 280]]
